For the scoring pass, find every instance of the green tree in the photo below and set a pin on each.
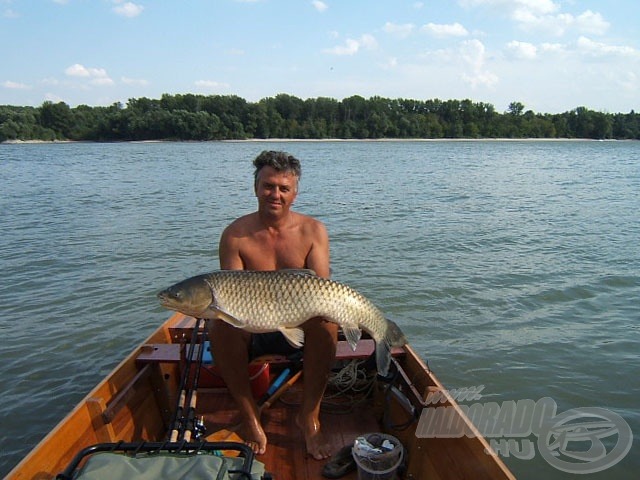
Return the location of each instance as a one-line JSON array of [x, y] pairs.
[[57, 117], [198, 117]]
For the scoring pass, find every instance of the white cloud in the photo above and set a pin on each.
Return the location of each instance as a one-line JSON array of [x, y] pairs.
[[558, 25], [101, 81], [319, 5], [77, 70], [544, 16], [531, 8], [597, 49], [590, 22], [95, 76], [522, 50], [515, 7], [480, 78], [467, 60], [552, 47], [584, 48], [398, 30], [445, 30], [127, 9], [473, 54], [552, 24], [351, 46], [15, 85]]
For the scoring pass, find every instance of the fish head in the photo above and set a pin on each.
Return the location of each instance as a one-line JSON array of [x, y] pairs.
[[192, 296]]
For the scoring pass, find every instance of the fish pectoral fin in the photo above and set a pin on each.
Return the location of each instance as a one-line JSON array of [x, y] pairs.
[[230, 319], [352, 334], [295, 336]]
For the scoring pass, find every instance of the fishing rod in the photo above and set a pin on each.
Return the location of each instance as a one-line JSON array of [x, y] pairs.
[[191, 426], [178, 416]]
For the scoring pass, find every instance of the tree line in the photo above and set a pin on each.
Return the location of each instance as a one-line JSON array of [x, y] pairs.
[[229, 117]]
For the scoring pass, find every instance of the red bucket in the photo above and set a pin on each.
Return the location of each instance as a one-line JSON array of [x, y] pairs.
[[259, 377]]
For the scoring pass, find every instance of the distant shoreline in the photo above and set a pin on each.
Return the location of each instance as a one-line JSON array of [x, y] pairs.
[[327, 140]]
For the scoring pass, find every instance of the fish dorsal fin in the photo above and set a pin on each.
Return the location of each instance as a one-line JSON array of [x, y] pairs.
[[300, 271], [295, 336], [352, 334], [230, 319]]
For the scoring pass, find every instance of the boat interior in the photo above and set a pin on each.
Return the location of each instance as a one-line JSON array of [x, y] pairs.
[[146, 400]]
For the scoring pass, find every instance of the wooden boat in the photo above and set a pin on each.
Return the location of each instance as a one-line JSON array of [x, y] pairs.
[[137, 400]]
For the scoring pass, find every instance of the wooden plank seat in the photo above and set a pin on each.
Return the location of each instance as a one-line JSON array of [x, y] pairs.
[[159, 353]]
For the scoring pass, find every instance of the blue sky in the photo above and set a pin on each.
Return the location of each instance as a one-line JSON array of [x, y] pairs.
[[551, 55]]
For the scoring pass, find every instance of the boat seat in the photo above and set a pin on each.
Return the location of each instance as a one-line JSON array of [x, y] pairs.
[[364, 349], [159, 353]]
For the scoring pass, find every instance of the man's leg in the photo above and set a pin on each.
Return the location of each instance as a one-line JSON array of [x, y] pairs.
[[230, 346], [319, 355]]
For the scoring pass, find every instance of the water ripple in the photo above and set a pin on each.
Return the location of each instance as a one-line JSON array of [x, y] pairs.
[[514, 265]]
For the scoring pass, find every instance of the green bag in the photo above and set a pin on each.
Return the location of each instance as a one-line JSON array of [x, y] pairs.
[[156, 466]]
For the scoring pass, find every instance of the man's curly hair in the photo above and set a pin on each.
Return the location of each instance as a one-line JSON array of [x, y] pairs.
[[279, 161]]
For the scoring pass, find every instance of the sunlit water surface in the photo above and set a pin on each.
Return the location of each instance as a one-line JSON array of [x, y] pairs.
[[512, 265]]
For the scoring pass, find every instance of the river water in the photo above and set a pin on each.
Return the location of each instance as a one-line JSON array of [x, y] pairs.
[[510, 265]]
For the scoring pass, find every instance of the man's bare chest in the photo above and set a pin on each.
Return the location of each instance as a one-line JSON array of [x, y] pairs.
[[268, 253]]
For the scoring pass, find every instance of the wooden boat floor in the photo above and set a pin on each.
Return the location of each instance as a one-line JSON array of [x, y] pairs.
[[286, 456]]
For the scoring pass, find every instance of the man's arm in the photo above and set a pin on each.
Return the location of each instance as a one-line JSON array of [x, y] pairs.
[[229, 251], [318, 257]]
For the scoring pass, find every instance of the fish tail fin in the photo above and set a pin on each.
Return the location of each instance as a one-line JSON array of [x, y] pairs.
[[383, 358], [394, 336]]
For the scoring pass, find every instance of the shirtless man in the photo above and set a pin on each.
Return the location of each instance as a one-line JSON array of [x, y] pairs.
[[273, 238]]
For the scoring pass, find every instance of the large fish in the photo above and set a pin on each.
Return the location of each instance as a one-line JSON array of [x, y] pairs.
[[282, 301]]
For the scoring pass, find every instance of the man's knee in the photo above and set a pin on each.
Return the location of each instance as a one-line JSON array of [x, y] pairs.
[[321, 326], [220, 332]]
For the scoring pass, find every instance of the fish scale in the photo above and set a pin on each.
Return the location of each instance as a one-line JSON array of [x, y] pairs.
[[282, 301], [288, 299]]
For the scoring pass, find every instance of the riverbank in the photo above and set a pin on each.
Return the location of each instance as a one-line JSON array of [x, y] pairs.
[[326, 140]]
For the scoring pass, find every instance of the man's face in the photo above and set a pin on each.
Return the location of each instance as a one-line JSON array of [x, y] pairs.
[[276, 191]]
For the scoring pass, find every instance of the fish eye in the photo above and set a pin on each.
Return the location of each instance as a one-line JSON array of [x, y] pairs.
[[174, 293]]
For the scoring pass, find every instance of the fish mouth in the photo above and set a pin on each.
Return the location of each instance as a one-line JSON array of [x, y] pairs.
[[166, 299], [170, 299], [175, 300]]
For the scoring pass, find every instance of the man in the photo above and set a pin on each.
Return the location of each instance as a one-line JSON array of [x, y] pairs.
[[273, 238]]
